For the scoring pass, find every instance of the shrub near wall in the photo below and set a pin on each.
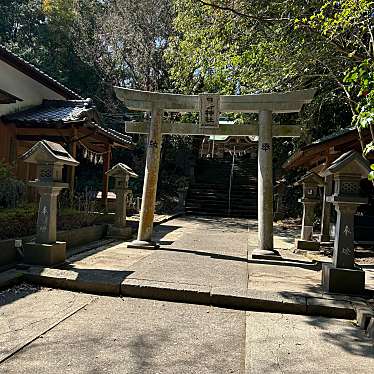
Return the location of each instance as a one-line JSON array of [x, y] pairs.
[[18, 222]]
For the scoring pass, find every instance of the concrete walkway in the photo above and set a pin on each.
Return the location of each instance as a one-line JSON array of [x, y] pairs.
[[206, 261], [50, 331]]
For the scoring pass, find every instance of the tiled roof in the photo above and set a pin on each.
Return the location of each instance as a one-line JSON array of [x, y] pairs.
[[32, 71], [332, 136], [54, 112], [317, 144]]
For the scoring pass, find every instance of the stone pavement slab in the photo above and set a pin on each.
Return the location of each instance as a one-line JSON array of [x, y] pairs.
[[114, 335], [26, 310], [133, 336], [283, 343]]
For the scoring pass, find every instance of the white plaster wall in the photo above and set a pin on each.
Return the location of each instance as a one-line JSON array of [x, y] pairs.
[[30, 91]]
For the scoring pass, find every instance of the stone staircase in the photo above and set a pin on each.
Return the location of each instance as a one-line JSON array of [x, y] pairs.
[[209, 195]]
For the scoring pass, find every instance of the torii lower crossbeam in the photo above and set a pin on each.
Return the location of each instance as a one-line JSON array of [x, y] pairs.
[[177, 128]]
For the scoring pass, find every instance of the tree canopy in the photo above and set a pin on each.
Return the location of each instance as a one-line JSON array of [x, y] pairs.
[[190, 46]]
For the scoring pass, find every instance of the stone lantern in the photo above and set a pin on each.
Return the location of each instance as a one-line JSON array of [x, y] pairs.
[[311, 183], [121, 174], [342, 276], [50, 159]]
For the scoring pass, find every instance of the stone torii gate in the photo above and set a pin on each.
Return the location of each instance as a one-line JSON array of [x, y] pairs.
[[210, 106]]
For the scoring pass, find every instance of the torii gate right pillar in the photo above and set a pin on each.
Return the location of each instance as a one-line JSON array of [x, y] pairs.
[[265, 187]]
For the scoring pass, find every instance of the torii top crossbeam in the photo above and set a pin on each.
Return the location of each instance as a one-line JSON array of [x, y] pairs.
[[287, 102]]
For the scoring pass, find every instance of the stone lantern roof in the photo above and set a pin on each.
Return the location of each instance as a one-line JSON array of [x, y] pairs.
[[121, 170], [310, 178], [48, 152], [349, 163]]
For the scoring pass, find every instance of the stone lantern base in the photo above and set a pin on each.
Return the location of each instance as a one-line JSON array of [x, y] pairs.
[[338, 280], [120, 232], [44, 254], [307, 245]]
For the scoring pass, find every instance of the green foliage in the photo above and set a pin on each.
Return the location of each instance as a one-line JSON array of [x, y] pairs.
[[249, 47], [217, 50], [12, 190]]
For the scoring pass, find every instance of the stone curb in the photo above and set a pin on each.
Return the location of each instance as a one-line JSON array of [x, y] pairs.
[[256, 300], [166, 219], [330, 308], [139, 288], [68, 280]]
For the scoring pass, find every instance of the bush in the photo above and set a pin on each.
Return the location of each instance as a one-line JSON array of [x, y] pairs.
[[18, 222], [12, 190]]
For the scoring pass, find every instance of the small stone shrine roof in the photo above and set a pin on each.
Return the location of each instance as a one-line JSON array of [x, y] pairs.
[[120, 170], [46, 151], [350, 162], [310, 178]]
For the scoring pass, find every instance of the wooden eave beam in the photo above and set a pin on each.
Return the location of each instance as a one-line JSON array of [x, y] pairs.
[[93, 134], [42, 131]]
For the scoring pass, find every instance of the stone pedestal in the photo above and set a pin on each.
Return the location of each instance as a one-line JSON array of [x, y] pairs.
[[306, 245], [45, 250], [310, 200], [120, 232], [50, 159], [339, 280], [46, 227], [326, 211], [121, 174], [44, 254], [342, 276]]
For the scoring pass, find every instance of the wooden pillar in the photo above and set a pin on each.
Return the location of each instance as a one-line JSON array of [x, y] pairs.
[[147, 210], [265, 187], [106, 167]]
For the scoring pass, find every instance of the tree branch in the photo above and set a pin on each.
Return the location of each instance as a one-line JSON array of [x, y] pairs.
[[240, 14]]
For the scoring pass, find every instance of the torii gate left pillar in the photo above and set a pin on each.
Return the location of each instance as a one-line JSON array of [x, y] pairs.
[[265, 105], [147, 210]]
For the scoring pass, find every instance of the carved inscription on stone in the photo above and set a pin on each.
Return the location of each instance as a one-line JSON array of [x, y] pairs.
[[265, 147], [209, 110]]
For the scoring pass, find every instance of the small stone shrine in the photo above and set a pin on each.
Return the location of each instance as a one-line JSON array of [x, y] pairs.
[[50, 159], [342, 276], [121, 174], [311, 183]]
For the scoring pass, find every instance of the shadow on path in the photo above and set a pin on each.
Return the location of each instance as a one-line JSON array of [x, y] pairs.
[[315, 266]]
